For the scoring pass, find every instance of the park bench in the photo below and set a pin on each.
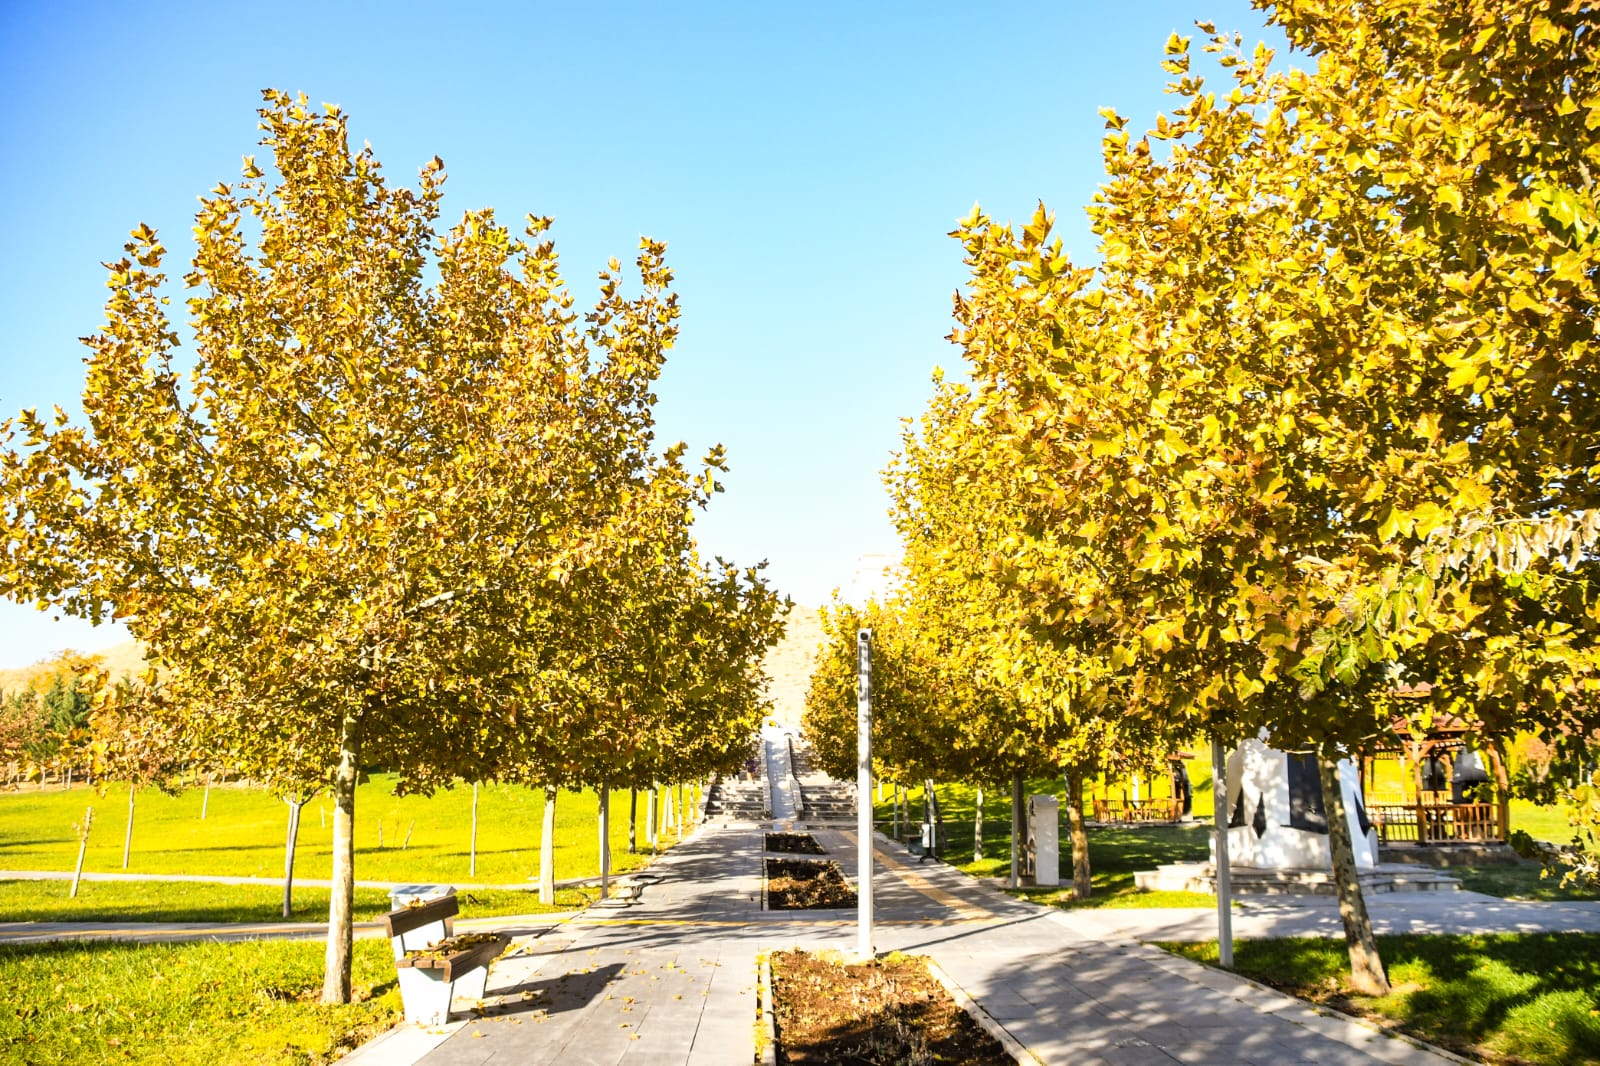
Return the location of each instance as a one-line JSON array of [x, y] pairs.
[[429, 961]]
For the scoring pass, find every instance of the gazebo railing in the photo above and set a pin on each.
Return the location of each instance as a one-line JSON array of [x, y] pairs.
[[1436, 823], [1138, 811]]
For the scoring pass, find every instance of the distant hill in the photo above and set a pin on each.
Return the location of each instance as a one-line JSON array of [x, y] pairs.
[[119, 659], [789, 664]]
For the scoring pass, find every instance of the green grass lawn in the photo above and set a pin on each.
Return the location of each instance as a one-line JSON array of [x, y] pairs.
[[243, 833], [188, 901], [1519, 881], [1114, 854], [239, 1003], [1512, 998]]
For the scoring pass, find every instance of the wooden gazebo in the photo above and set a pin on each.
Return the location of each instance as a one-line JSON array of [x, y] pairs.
[[1446, 793]]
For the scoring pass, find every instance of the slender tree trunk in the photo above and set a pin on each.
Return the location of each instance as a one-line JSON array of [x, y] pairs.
[[633, 821], [679, 810], [292, 839], [977, 827], [650, 827], [472, 856], [336, 971], [83, 846], [605, 842], [205, 801], [897, 810], [547, 849], [127, 836], [1366, 966], [1082, 883]]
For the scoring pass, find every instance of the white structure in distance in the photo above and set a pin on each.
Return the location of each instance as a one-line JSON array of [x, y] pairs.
[[1277, 819]]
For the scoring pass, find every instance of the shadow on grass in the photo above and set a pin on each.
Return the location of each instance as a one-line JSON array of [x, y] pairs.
[[1522, 996]]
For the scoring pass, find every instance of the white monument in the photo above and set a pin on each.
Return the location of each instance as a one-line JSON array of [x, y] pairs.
[[1044, 844], [1277, 818]]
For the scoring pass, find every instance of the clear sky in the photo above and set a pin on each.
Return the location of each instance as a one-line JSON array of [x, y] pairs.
[[804, 162]]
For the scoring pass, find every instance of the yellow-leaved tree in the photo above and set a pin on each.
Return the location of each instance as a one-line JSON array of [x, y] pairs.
[[401, 457]]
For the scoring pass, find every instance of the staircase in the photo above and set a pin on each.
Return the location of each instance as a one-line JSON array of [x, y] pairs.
[[741, 799], [824, 800]]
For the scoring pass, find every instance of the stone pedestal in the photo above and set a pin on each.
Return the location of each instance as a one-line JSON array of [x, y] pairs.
[[1044, 844]]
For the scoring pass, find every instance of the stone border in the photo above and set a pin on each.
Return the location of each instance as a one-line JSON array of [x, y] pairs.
[[1332, 1025], [985, 1020], [767, 1021]]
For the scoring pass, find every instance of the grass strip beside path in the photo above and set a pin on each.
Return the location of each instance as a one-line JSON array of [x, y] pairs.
[[238, 1003], [1506, 998], [194, 901]]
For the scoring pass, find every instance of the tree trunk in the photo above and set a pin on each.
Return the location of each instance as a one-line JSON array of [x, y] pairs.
[[650, 820], [1082, 883], [633, 821], [288, 854], [472, 855], [205, 801], [547, 849], [897, 810], [977, 827], [1366, 966], [605, 842], [336, 970], [679, 810], [83, 846], [127, 836]]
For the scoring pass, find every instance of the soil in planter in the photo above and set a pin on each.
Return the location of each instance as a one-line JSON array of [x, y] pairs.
[[888, 1010], [800, 884], [794, 844]]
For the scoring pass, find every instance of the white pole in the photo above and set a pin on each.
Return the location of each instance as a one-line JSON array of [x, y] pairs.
[[472, 862], [864, 946], [1219, 799]]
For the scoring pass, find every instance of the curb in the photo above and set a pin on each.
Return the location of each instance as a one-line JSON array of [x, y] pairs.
[[1014, 1047], [1332, 1025], [767, 1022]]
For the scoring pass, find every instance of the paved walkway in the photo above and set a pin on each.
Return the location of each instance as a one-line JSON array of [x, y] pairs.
[[671, 977]]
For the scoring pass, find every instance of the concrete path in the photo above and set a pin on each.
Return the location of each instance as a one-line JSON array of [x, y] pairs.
[[671, 977], [1392, 913]]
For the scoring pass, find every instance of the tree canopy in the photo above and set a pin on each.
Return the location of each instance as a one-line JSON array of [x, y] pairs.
[[404, 506]]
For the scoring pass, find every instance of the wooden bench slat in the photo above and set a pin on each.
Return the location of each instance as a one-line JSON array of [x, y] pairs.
[[456, 963], [406, 919]]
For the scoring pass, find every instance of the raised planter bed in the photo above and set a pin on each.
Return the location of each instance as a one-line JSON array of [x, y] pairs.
[[794, 844], [888, 1010], [807, 884]]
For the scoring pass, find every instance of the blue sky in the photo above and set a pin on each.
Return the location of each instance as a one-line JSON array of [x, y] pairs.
[[803, 162]]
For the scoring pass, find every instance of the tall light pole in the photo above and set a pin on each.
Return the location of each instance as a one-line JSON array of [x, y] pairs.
[[1219, 818], [864, 793]]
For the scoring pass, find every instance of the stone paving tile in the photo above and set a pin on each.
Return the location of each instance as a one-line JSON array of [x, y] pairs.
[[680, 987]]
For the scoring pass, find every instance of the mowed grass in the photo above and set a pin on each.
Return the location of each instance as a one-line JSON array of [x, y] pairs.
[[191, 901], [1114, 853], [238, 1003], [423, 838], [1513, 998]]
